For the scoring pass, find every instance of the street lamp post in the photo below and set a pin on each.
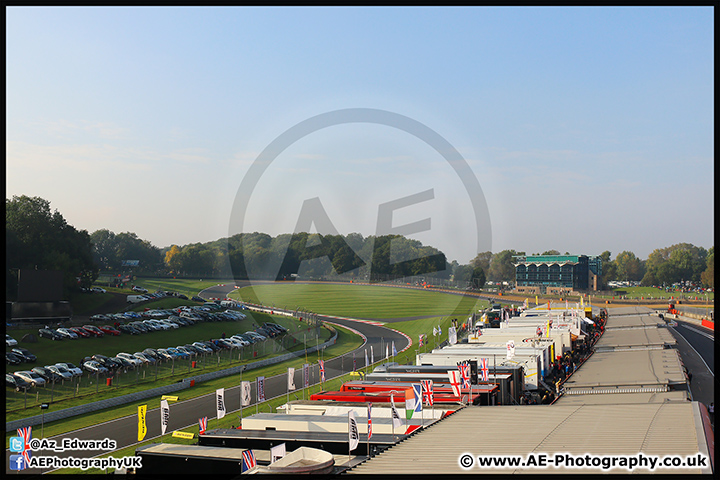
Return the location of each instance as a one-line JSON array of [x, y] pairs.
[[43, 407]]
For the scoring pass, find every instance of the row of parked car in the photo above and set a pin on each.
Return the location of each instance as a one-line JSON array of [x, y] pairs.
[[103, 364]]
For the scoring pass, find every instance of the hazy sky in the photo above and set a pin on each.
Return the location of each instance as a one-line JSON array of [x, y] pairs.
[[587, 129]]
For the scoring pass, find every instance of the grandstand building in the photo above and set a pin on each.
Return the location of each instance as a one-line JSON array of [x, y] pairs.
[[556, 274]]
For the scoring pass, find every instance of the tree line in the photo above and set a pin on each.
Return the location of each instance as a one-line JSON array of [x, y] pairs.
[[39, 238]]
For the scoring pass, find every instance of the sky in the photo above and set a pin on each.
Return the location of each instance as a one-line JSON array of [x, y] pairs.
[[581, 130]]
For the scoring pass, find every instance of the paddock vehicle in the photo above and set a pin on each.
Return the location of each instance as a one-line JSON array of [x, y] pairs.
[[9, 341]]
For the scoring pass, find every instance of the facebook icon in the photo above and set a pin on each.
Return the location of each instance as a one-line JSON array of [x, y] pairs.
[[17, 462]]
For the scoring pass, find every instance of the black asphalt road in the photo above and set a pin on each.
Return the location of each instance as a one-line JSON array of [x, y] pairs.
[[697, 348], [186, 413]]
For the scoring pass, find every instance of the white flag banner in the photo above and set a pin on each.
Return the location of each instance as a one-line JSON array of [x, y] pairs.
[[306, 375], [452, 336], [245, 393], [372, 355], [291, 378], [510, 349], [387, 351], [366, 358], [277, 452], [353, 432], [220, 402], [455, 381], [164, 415], [396, 420]]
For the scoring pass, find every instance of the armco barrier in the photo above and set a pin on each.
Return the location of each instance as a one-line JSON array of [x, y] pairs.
[[153, 392]]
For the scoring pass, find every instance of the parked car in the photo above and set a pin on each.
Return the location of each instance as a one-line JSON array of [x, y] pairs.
[[244, 336], [47, 375], [94, 330], [109, 330], [98, 290], [16, 382], [129, 329], [25, 353], [70, 368], [51, 334], [235, 342], [198, 299], [93, 366], [177, 353], [124, 363], [165, 354], [130, 358], [99, 317], [203, 348], [137, 288], [81, 332], [67, 333], [276, 326], [31, 377], [256, 335], [9, 341], [153, 353], [196, 350], [140, 326], [13, 358], [190, 353], [144, 358], [64, 374], [106, 362]]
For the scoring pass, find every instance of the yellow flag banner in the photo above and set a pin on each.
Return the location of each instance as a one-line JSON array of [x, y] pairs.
[[142, 426], [183, 434], [169, 397]]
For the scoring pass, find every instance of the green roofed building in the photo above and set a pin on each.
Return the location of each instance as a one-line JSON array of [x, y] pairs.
[[556, 273]]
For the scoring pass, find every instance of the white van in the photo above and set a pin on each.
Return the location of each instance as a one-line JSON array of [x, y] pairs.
[[228, 303], [136, 298]]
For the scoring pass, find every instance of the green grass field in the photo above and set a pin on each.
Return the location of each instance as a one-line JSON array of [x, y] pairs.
[[360, 301]]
